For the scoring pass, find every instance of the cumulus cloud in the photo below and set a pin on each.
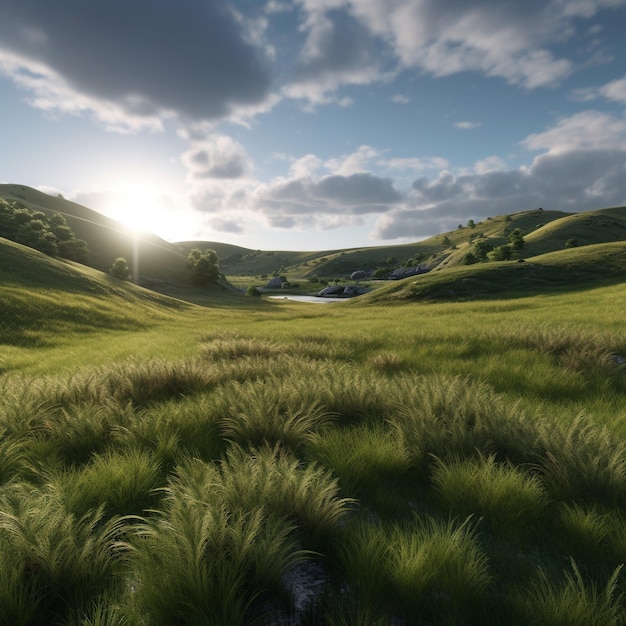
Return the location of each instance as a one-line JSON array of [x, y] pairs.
[[574, 181], [132, 65], [356, 194], [338, 50], [218, 156], [587, 130], [353, 163], [501, 38]]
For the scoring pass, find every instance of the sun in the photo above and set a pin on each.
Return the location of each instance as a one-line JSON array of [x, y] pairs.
[[139, 208]]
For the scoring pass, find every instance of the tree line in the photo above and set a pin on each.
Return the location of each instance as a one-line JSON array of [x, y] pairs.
[[48, 234]]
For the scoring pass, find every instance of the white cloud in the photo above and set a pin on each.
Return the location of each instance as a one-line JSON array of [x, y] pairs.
[[339, 50], [400, 99], [571, 182], [489, 164], [218, 156], [305, 166], [466, 125], [615, 90], [353, 163], [500, 38], [415, 164], [588, 130]]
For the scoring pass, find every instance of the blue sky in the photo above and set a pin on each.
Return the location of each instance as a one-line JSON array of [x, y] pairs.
[[315, 124]]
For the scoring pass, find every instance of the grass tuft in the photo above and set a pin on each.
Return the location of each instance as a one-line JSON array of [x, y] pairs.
[[510, 501], [575, 602]]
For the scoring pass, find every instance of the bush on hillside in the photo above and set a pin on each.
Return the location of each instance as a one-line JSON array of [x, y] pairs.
[[204, 266], [120, 269], [516, 238], [501, 253]]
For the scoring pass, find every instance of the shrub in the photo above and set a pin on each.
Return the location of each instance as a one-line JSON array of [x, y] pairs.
[[501, 253], [120, 269]]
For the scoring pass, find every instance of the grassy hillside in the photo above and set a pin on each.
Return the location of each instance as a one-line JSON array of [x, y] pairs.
[[604, 225], [52, 303], [564, 270], [41, 298], [153, 260]]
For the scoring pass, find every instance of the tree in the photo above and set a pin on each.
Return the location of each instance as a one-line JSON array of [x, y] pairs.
[[36, 234], [35, 229], [501, 253], [120, 269], [471, 224], [480, 250], [204, 266], [69, 246], [516, 238], [571, 243]]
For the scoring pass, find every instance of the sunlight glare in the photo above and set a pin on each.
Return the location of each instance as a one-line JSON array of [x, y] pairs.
[[138, 209]]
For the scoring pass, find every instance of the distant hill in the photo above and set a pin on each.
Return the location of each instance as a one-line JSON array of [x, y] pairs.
[[563, 270]]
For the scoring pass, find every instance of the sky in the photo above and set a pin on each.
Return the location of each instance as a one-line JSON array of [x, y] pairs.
[[315, 124]]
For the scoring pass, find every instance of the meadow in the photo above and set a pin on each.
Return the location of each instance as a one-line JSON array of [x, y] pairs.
[[269, 462]]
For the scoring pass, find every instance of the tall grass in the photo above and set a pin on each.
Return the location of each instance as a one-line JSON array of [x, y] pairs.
[[583, 461], [229, 533], [203, 564], [445, 417], [271, 411], [305, 495], [510, 501], [301, 446], [438, 568], [52, 563], [575, 602], [120, 484]]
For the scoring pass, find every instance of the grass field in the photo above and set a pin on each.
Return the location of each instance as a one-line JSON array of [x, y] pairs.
[[271, 462]]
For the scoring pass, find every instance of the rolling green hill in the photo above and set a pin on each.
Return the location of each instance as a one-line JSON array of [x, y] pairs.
[[153, 260], [41, 296], [564, 270]]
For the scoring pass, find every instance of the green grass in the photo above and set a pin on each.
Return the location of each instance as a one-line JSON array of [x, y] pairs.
[[438, 463]]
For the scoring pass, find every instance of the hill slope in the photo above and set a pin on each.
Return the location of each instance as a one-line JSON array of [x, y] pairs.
[[153, 259], [40, 296], [571, 269]]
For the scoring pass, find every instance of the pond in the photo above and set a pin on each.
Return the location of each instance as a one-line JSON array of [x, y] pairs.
[[316, 299]]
